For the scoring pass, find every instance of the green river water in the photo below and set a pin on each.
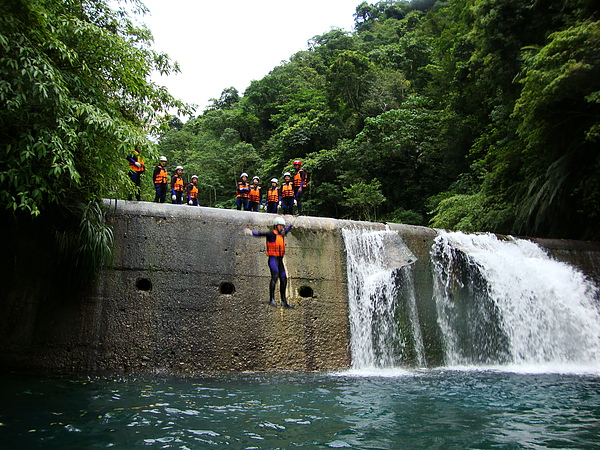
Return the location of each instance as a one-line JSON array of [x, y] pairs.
[[394, 409]]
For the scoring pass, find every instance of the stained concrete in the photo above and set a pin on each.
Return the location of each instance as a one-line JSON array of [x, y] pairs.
[[187, 292], [207, 306]]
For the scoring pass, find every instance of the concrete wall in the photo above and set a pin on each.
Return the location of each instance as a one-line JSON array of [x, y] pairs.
[[207, 305], [188, 291]]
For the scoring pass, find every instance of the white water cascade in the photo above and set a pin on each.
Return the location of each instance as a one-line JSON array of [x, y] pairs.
[[506, 302], [375, 260]]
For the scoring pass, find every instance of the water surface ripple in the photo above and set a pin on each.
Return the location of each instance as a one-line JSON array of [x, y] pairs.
[[407, 409]]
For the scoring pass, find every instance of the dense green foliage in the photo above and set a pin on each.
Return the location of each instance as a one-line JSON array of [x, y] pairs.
[[75, 99], [480, 115]]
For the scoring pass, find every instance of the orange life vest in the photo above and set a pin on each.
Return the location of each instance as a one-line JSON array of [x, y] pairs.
[[178, 185], [299, 180], [192, 190], [242, 189], [254, 193], [276, 248], [135, 168], [287, 189], [273, 194], [162, 176]]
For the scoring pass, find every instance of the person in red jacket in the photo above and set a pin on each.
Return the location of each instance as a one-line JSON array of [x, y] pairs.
[[300, 179], [275, 252]]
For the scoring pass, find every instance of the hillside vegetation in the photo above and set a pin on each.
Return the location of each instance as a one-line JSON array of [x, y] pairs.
[[476, 115]]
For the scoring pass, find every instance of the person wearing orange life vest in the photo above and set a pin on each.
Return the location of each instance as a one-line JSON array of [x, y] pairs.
[[300, 179], [273, 197], [287, 194], [254, 195], [136, 169], [275, 252], [177, 186], [241, 193], [160, 178], [192, 192]]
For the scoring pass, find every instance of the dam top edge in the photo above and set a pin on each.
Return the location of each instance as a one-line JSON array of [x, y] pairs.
[[231, 216], [247, 218]]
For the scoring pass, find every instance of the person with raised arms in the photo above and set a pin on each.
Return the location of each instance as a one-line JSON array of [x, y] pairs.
[[275, 252]]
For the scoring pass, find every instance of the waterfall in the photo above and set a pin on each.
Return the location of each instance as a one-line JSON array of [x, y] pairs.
[[508, 302], [384, 331]]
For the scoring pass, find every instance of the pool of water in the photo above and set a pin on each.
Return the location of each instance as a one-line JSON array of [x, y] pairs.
[[442, 408]]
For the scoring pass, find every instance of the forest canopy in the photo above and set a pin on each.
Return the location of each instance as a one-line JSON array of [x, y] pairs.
[[476, 115]]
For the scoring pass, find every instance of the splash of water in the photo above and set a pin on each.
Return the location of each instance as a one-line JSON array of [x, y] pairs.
[[508, 302], [374, 261]]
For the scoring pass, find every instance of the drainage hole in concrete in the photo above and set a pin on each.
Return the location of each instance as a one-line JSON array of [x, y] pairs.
[[305, 292], [227, 288], [143, 284]]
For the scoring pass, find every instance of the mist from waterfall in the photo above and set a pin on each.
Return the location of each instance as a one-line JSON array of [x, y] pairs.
[[507, 302]]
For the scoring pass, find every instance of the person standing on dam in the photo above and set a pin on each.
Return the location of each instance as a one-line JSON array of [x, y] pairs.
[[275, 252], [192, 192], [177, 186], [254, 195], [300, 179], [287, 194], [160, 177], [136, 169], [273, 197], [241, 193]]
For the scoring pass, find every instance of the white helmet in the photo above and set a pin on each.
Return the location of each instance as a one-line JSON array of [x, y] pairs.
[[287, 174], [274, 180], [194, 176], [244, 174], [255, 178], [163, 158], [279, 221], [179, 167]]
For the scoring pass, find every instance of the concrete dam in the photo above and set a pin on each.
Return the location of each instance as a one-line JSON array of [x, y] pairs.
[[187, 292]]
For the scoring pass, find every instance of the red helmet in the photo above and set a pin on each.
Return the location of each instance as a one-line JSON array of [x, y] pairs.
[[298, 162]]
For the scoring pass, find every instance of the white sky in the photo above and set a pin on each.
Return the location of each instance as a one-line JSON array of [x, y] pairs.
[[223, 43]]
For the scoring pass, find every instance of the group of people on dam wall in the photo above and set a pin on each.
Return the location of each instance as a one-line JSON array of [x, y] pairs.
[[248, 196]]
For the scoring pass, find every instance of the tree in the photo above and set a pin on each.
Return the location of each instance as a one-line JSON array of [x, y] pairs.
[[559, 123], [75, 98], [363, 199], [228, 98]]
